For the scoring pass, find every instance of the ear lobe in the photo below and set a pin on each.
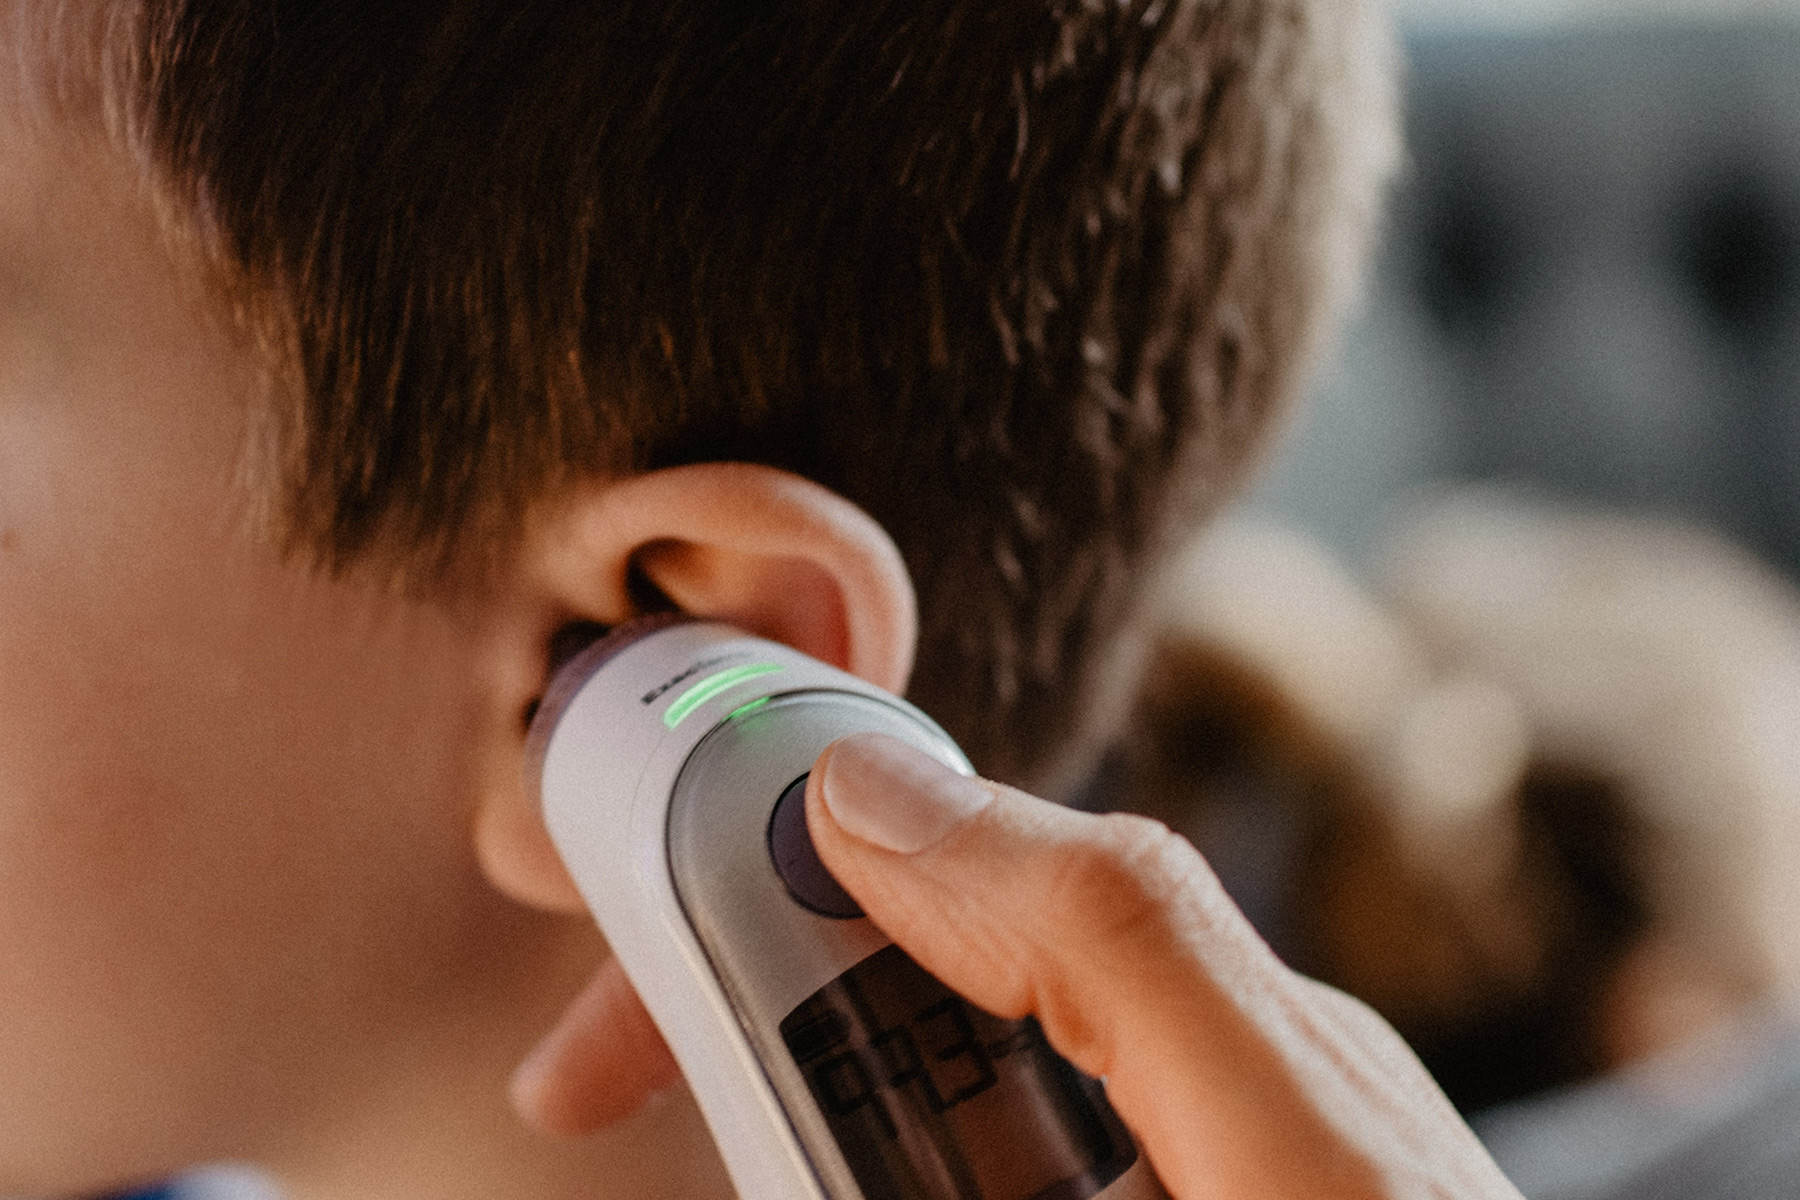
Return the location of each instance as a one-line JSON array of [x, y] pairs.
[[773, 553]]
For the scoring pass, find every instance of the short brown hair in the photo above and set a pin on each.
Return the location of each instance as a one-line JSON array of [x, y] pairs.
[[1023, 278]]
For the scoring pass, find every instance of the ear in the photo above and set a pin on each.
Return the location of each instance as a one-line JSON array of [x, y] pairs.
[[773, 553]]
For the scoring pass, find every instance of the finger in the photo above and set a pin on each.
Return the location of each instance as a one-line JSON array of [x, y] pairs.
[[601, 1063], [1085, 922], [1237, 1077]]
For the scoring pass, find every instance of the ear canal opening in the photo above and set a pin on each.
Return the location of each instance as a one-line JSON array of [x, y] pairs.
[[568, 641], [573, 637], [646, 598]]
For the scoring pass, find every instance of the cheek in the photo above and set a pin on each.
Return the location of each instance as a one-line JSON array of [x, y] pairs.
[[233, 860], [231, 849]]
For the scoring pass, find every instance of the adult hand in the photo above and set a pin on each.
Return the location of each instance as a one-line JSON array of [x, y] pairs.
[[1239, 1077]]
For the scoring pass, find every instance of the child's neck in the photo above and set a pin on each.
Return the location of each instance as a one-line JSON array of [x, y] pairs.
[[436, 1124], [663, 1153]]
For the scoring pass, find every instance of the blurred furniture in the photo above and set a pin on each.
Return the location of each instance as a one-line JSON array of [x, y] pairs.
[[1591, 283]]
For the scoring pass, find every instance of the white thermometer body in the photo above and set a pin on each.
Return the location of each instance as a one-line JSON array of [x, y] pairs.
[[671, 759]]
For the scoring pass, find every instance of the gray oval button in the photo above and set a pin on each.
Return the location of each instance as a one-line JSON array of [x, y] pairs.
[[798, 864]]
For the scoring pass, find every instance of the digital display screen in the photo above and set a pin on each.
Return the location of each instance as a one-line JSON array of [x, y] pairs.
[[932, 1098]]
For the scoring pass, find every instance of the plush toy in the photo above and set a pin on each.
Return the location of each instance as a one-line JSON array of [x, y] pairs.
[[1664, 660], [1535, 796]]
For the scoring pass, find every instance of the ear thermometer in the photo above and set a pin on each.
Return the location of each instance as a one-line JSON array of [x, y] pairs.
[[671, 759]]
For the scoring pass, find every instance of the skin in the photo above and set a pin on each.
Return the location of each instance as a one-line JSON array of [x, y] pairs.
[[244, 913], [272, 890]]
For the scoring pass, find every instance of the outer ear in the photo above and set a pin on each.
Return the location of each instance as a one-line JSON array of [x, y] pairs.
[[770, 552]]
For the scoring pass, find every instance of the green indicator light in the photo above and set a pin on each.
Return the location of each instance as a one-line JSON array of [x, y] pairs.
[[711, 686], [751, 707]]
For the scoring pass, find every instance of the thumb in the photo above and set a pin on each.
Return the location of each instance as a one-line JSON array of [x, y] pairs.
[[1239, 1077]]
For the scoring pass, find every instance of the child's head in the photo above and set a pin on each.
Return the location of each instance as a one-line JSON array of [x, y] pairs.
[[297, 301]]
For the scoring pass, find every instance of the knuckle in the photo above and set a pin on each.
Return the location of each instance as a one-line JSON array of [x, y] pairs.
[[1120, 899], [1133, 877]]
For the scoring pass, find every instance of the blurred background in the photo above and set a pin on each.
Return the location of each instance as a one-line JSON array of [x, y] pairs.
[[1592, 275], [1486, 703]]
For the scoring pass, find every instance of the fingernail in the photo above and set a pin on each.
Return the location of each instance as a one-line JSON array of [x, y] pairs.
[[893, 796]]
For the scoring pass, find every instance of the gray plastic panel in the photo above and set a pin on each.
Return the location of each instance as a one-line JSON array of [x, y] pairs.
[[769, 952]]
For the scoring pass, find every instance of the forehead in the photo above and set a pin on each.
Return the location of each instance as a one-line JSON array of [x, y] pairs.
[[59, 187], [64, 104], [112, 310], [111, 350], [68, 63]]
